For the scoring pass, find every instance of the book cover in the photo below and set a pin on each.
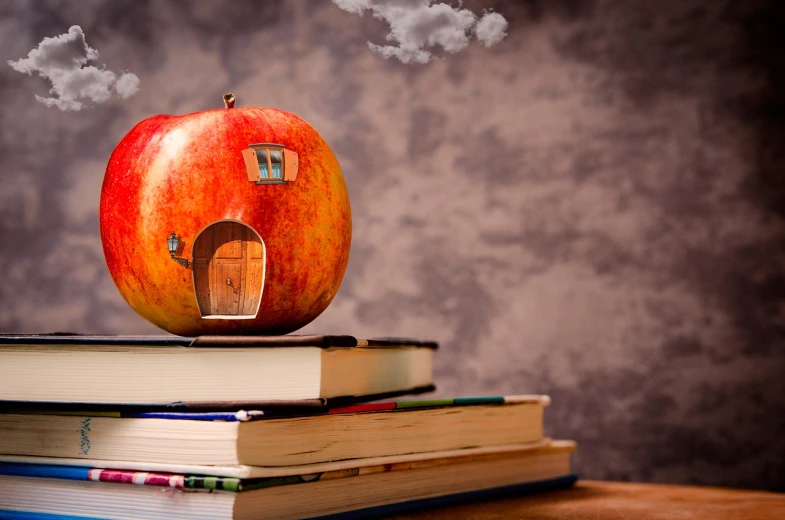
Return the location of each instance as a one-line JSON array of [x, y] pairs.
[[325, 406], [288, 340]]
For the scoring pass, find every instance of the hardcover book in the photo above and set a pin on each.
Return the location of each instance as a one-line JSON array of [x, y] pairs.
[[208, 371]]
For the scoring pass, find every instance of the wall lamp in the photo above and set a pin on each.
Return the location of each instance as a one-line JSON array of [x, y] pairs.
[[174, 244]]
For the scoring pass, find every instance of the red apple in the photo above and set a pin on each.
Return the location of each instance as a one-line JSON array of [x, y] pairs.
[[264, 231]]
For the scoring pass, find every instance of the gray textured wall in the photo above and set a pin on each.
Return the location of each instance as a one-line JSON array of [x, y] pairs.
[[591, 209]]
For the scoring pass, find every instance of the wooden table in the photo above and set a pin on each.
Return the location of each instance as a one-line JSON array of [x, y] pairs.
[[590, 500]]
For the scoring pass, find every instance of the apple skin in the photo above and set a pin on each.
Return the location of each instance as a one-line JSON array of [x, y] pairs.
[[183, 173]]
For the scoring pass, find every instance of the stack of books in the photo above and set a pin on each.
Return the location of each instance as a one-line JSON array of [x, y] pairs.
[[246, 427]]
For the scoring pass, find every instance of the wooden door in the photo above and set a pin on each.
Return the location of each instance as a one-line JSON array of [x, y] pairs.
[[228, 270]]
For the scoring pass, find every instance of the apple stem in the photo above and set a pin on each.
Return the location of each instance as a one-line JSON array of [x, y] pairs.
[[229, 100]]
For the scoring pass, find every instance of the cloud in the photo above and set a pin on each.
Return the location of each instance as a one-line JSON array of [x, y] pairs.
[[63, 61], [491, 29], [127, 85], [418, 24]]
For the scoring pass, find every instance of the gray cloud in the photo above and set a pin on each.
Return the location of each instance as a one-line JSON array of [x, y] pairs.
[[63, 61], [127, 85], [418, 24]]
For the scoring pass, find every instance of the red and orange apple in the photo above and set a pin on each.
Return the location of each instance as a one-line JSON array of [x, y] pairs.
[[264, 255]]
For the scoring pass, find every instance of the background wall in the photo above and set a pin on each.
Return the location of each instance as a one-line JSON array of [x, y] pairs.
[[592, 209]]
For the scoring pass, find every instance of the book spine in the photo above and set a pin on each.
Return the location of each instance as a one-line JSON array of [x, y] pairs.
[[44, 471], [372, 407], [121, 476], [239, 416], [32, 515], [434, 403], [164, 480]]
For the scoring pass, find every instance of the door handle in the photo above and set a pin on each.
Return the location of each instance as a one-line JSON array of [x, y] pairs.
[[229, 283]]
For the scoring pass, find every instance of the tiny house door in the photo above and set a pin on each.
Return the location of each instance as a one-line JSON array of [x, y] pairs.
[[228, 270]]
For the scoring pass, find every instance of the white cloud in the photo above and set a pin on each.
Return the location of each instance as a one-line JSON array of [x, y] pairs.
[[417, 25], [491, 29], [63, 61]]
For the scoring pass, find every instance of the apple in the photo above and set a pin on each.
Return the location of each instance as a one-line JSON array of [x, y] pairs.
[[252, 202]]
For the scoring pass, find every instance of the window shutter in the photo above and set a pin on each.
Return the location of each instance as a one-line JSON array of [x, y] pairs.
[[251, 164], [291, 164]]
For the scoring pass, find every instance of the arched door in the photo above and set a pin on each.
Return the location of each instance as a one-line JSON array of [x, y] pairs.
[[228, 262]]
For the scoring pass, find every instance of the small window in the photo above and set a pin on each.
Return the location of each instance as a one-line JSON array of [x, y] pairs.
[[268, 163]]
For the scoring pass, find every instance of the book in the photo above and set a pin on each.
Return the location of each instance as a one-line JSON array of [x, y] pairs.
[[208, 371], [256, 438], [248, 472], [364, 490]]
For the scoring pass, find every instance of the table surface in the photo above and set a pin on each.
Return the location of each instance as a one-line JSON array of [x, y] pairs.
[[590, 500]]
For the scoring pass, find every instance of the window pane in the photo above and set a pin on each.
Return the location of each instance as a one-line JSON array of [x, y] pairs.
[[261, 155], [275, 156], [277, 171]]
